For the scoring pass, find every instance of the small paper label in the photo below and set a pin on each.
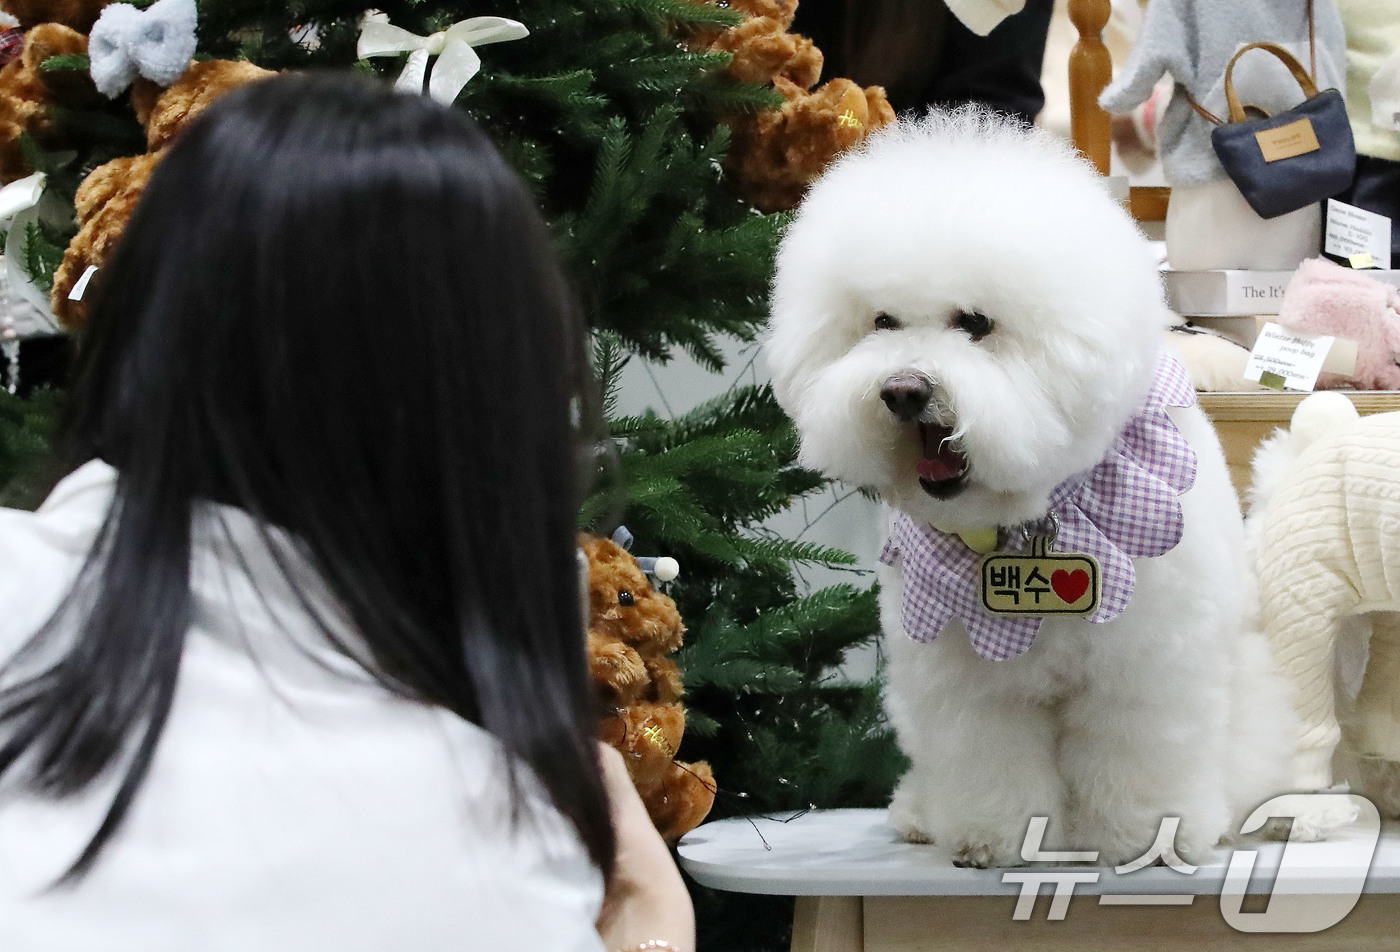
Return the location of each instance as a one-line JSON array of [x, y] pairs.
[[1341, 358], [1285, 142], [1355, 231], [1362, 261], [80, 288], [1035, 585], [1297, 358]]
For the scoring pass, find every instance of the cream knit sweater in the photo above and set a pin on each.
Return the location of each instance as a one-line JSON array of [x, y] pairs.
[[1373, 35], [1329, 547]]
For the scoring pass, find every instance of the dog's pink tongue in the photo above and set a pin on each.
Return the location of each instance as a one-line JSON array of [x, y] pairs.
[[941, 461], [940, 469]]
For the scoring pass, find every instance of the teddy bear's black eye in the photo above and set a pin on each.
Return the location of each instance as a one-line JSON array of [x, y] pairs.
[[884, 322], [977, 325], [625, 599]]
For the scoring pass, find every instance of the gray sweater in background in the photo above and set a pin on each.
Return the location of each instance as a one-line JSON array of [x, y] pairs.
[[1193, 40]]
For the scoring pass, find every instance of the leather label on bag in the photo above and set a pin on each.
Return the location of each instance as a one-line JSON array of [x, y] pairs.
[[1284, 142]]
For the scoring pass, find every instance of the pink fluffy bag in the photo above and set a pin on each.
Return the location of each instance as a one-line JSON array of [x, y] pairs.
[[1326, 298]]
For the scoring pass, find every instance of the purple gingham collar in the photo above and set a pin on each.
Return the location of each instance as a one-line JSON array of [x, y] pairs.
[[1124, 507]]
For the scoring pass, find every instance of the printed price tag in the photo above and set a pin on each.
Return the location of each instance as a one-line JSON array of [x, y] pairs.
[[1042, 583], [1282, 358], [1355, 231]]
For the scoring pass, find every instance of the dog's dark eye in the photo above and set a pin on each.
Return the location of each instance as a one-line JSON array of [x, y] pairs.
[[977, 325], [625, 599], [884, 322]]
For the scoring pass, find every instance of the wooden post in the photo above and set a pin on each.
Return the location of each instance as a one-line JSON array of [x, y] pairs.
[[1090, 72], [828, 924]]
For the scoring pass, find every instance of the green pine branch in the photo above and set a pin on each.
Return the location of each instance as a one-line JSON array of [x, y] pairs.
[[26, 424], [78, 62], [685, 13], [41, 252]]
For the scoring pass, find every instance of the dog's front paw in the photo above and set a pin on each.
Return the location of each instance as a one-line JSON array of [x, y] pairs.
[[976, 856], [984, 855], [981, 845], [911, 834], [904, 816], [1315, 817]]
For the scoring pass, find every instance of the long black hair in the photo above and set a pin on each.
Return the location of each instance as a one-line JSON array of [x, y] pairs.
[[337, 309]]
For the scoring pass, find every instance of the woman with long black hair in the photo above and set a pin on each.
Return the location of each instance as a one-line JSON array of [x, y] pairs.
[[292, 659]]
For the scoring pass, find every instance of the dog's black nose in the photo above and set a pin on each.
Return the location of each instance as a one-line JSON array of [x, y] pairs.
[[907, 395]]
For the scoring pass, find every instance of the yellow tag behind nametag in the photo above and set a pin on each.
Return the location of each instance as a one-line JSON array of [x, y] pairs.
[[981, 541], [1040, 584], [1284, 142]]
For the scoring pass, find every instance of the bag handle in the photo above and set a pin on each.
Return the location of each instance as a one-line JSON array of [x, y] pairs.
[[1292, 63], [1295, 67]]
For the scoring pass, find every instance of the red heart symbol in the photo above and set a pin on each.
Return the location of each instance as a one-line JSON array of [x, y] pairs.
[[1070, 586]]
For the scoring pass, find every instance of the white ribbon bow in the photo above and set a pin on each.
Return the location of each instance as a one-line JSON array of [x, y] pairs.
[[457, 60], [17, 201], [21, 194], [156, 43]]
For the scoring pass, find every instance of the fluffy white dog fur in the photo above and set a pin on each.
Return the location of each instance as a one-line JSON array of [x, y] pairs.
[[1169, 710]]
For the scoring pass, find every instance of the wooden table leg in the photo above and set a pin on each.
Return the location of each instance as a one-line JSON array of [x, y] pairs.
[[828, 924], [984, 924]]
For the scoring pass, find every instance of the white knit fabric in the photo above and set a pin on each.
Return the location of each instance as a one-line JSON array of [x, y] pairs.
[[1329, 547], [1384, 93], [1373, 35]]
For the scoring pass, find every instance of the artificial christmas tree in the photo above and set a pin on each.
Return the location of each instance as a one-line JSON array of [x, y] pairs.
[[617, 120], [25, 424]]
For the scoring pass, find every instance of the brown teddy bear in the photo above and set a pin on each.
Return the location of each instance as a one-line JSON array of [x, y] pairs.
[[632, 631], [763, 48], [47, 28], [107, 197], [79, 15], [26, 94], [777, 153]]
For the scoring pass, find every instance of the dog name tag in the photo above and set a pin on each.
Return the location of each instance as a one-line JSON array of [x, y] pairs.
[[1042, 583]]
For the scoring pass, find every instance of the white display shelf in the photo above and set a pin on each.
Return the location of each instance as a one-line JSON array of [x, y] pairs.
[[1235, 293], [859, 888], [856, 853]]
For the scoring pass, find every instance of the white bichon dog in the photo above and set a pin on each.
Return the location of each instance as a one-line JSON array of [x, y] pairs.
[[966, 322]]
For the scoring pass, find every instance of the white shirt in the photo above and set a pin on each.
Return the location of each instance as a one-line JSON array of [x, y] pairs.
[[292, 804], [982, 16]]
